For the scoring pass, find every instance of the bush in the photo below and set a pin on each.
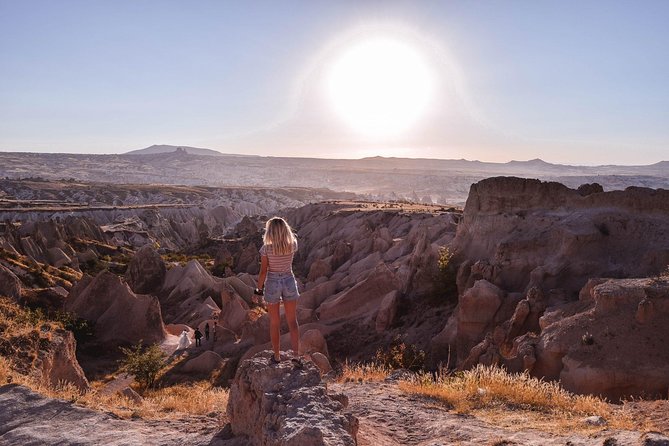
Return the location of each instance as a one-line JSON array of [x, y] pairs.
[[81, 328], [143, 362], [445, 286], [401, 356]]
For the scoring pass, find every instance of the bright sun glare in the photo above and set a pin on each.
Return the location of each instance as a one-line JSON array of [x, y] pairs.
[[380, 87]]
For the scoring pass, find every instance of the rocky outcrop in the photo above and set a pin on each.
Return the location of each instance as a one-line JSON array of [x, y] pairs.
[[544, 234], [10, 285], [281, 404], [28, 418], [146, 271], [58, 363], [605, 350], [538, 244], [119, 315]]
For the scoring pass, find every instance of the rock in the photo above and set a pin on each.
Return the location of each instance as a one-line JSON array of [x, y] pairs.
[[319, 268], [590, 188], [58, 363], [203, 364], [475, 313], [594, 420], [321, 362], [519, 225], [361, 299], [10, 285], [146, 271], [119, 315], [313, 341], [279, 404], [131, 395], [654, 439], [28, 418], [387, 311], [234, 311], [58, 258]]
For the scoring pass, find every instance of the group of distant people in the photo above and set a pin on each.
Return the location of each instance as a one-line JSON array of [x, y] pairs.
[[184, 341]]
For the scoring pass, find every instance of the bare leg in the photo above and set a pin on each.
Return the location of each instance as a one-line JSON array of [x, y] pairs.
[[275, 329], [290, 307]]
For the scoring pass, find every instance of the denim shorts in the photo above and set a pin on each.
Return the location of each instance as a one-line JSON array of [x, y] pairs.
[[280, 285]]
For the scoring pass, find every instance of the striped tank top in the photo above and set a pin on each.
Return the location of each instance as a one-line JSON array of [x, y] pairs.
[[279, 263]]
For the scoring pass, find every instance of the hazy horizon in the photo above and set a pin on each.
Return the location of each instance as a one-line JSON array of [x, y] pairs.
[[567, 82]]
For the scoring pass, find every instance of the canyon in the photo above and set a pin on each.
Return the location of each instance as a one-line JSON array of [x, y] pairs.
[[564, 284]]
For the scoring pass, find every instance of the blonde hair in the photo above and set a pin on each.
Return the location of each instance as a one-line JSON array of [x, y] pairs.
[[279, 235]]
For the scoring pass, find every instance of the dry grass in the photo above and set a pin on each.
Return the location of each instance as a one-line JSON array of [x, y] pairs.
[[503, 397], [175, 402], [370, 372]]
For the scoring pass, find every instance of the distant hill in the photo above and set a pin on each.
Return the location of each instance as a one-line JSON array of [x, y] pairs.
[[163, 148]]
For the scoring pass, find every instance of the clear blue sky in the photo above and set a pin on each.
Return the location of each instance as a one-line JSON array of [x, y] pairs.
[[580, 82]]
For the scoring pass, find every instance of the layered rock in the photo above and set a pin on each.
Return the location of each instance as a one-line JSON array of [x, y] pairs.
[[534, 233], [281, 404]]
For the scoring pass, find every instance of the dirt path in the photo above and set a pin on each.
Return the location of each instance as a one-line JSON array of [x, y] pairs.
[[388, 417]]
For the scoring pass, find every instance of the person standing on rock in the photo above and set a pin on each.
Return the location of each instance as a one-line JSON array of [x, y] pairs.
[[206, 331], [277, 279]]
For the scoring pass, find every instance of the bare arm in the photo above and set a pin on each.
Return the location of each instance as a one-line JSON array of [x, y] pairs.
[[264, 263]]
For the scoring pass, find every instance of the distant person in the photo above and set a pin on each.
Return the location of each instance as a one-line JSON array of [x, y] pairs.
[[198, 336], [277, 279], [206, 331], [184, 342], [215, 326]]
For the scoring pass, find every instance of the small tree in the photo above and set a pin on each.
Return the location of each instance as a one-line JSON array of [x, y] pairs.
[[143, 362]]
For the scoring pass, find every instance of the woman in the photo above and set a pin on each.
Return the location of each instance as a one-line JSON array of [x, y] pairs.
[[276, 276], [184, 342]]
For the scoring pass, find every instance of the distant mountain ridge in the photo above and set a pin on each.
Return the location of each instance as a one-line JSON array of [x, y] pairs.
[[165, 148]]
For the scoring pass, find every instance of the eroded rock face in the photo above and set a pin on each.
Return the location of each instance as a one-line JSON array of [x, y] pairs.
[[543, 234], [605, 350], [146, 271], [58, 363], [10, 285], [281, 404], [119, 315]]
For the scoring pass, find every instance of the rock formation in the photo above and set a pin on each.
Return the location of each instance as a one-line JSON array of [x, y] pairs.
[[119, 315], [531, 256], [281, 404], [10, 285], [146, 271]]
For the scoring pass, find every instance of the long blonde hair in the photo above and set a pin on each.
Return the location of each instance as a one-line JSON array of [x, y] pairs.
[[279, 234]]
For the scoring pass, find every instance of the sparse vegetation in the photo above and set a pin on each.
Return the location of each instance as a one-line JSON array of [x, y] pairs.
[[492, 388], [400, 355], [144, 363], [445, 288], [356, 372]]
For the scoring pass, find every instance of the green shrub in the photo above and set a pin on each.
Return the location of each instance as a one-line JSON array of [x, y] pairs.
[[143, 362]]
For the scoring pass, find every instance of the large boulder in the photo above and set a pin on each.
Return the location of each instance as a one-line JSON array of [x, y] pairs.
[[281, 404], [10, 285], [119, 315], [146, 271]]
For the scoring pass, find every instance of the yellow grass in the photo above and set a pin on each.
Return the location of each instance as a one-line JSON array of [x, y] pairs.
[[501, 395], [370, 372], [177, 401]]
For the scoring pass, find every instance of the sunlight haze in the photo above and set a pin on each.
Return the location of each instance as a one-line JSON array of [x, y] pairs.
[[568, 82]]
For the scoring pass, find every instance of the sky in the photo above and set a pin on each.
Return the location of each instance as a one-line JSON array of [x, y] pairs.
[[574, 82]]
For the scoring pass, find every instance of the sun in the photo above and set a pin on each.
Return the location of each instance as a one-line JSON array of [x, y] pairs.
[[380, 87]]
